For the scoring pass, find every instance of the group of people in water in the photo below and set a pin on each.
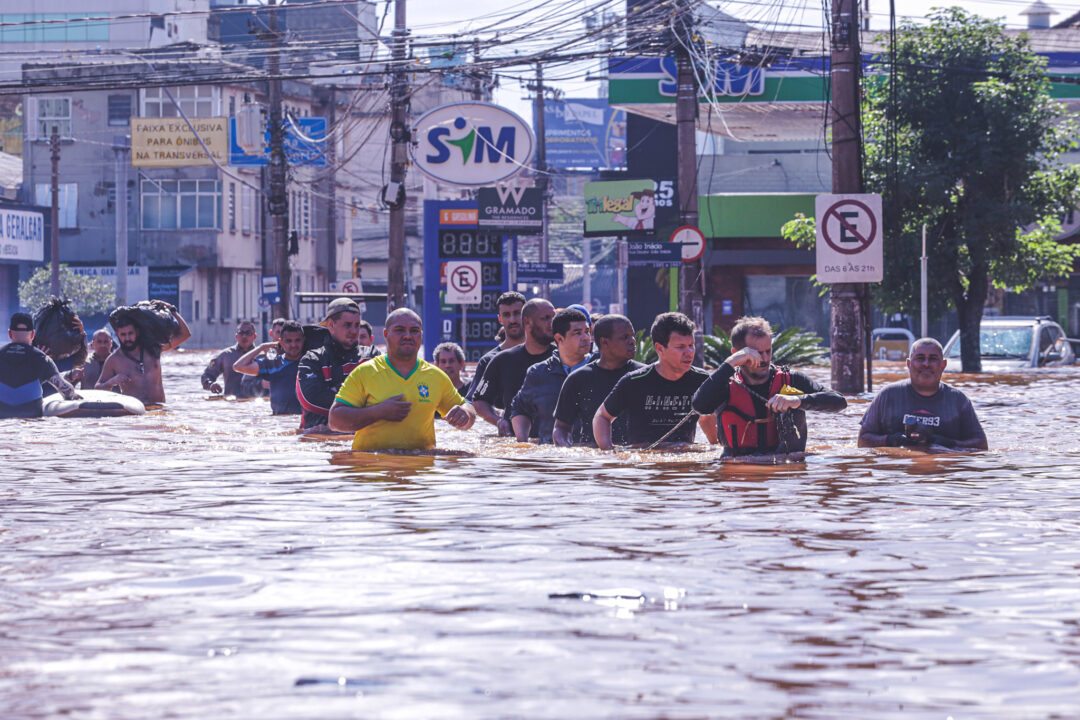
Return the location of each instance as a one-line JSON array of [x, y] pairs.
[[556, 376]]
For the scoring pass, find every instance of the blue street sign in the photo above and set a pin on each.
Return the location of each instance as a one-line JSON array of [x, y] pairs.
[[539, 272], [298, 150], [646, 253]]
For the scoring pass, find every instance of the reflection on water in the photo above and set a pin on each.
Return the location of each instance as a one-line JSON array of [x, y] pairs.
[[201, 561]]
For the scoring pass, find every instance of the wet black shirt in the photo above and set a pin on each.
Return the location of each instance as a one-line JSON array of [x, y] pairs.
[[478, 374], [22, 370], [581, 396], [505, 375], [653, 405]]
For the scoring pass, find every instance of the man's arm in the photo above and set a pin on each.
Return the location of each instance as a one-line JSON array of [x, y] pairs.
[[523, 407], [461, 416], [817, 396], [182, 334], [715, 391], [346, 418], [708, 425], [109, 377], [562, 433], [213, 370], [487, 394], [974, 437], [311, 388], [872, 431], [52, 376], [247, 364], [601, 428]]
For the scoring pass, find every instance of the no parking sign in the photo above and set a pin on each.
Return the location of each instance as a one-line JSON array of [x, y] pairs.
[[849, 238]]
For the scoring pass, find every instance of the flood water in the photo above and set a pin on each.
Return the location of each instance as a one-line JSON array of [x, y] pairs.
[[202, 562]]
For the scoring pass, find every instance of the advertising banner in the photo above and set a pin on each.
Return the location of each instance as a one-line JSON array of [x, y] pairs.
[[305, 144], [471, 144], [584, 134], [627, 207], [169, 142], [510, 209], [22, 235]]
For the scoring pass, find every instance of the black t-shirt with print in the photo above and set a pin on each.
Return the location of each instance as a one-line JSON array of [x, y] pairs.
[[653, 405]]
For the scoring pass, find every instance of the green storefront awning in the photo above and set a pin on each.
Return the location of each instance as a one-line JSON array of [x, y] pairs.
[[749, 215]]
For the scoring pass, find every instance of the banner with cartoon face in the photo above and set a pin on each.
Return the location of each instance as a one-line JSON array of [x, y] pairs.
[[627, 207]]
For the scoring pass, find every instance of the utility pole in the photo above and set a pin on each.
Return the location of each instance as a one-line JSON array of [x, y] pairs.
[[54, 213], [691, 300], [847, 327], [399, 135], [541, 170], [278, 201], [331, 232], [120, 150]]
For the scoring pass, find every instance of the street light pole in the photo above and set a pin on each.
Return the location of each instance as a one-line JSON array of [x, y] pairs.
[[54, 213]]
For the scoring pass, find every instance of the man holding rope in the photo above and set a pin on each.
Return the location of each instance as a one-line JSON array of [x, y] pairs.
[[656, 399]]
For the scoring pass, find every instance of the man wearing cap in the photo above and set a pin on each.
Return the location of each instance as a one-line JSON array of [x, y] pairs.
[[23, 368], [324, 369], [390, 403], [235, 384]]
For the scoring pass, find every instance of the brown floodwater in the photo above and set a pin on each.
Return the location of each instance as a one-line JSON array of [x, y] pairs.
[[203, 562]]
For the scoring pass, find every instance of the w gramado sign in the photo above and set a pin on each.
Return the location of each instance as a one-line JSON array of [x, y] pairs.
[[471, 144], [510, 209]]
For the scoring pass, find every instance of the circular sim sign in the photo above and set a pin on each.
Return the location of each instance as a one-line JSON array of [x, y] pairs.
[[849, 227], [692, 241], [472, 144], [464, 279]]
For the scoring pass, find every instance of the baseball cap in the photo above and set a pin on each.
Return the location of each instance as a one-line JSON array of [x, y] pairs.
[[340, 305], [22, 322], [581, 309]]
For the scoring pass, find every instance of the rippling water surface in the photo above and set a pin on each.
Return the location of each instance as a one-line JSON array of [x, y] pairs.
[[202, 562]]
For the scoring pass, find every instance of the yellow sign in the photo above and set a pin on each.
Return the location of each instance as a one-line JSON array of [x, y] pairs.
[[169, 142]]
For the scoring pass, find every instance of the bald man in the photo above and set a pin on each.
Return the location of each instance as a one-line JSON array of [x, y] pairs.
[[390, 403], [101, 346], [506, 372], [922, 411]]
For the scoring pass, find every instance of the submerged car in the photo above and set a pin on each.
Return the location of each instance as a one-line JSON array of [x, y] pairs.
[[1014, 343]]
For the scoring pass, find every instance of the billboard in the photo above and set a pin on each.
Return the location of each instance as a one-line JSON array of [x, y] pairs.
[[511, 209], [170, 142], [585, 134], [471, 144], [22, 235], [305, 144], [628, 207]]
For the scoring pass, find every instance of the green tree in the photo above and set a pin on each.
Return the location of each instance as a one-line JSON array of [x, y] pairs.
[[88, 295], [976, 157]]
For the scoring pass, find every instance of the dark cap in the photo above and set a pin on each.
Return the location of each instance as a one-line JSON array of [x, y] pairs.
[[22, 322], [342, 304]]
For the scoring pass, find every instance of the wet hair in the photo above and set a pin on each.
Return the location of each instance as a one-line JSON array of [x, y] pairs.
[[448, 347], [509, 298], [668, 323], [749, 326], [533, 307], [604, 327], [365, 325], [290, 326], [561, 324]]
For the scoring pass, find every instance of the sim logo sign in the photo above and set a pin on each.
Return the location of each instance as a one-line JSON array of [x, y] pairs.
[[472, 144]]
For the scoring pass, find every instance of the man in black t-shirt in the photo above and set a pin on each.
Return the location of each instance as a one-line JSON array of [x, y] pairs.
[[506, 373], [755, 399], [23, 368], [509, 305], [922, 410], [656, 399], [586, 389]]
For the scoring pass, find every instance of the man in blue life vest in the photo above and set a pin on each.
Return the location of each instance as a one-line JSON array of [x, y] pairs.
[[761, 406]]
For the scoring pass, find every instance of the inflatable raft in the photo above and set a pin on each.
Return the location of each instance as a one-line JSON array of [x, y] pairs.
[[94, 403]]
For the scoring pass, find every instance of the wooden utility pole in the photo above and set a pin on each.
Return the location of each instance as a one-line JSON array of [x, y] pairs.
[[54, 213], [120, 149], [278, 202], [847, 324], [399, 135], [691, 301], [541, 171]]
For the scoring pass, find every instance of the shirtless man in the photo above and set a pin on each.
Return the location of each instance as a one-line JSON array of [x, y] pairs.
[[135, 370]]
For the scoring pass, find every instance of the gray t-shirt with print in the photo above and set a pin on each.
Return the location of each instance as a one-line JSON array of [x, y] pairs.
[[947, 412]]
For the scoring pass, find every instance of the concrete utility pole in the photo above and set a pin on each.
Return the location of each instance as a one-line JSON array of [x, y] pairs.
[[54, 213], [121, 149], [691, 278], [541, 171], [399, 153], [278, 201], [847, 327], [330, 180]]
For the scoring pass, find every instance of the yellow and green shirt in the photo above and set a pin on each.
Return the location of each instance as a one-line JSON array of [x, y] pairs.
[[426, 387]]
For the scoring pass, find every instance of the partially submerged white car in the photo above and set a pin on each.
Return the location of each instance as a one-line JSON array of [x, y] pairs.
[[1010, 343]]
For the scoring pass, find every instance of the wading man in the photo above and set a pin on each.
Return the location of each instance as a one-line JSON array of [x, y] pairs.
[[279, 370], [23, 368], [761, 407], [509, 307], [390, 402], [922, 411], [134, 368]]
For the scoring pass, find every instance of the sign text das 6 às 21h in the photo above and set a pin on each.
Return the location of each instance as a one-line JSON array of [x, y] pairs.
[[849, 238]]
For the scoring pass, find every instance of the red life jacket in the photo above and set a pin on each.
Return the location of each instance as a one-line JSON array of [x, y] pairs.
[[741, 427]]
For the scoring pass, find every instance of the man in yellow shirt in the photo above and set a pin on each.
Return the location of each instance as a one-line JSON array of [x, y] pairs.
[[390, 402]]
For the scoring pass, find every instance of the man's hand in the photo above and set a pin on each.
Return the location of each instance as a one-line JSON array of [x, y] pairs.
[[746, 356], [505, 428], [75, 375], [458, 417], [216, 388], [783, 403], [77, 323], [44, 349], [396, 409]]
